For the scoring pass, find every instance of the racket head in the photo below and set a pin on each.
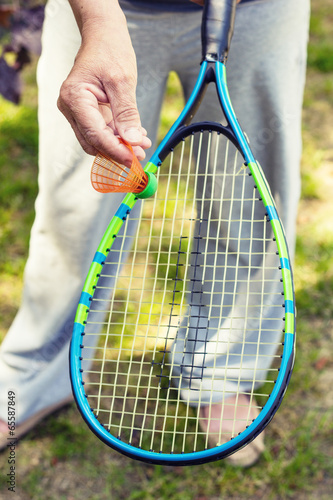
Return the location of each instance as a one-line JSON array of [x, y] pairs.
[[185, 410]]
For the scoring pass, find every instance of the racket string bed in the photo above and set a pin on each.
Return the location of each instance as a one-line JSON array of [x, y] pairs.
[[168, 348]]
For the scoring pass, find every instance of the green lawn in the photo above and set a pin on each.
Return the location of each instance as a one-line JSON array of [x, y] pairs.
[[63, 460]]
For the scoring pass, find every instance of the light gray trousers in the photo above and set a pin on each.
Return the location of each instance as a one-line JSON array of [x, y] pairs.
[[266, 72]]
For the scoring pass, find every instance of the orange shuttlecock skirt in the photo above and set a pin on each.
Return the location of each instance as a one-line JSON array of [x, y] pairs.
[[108, 176]]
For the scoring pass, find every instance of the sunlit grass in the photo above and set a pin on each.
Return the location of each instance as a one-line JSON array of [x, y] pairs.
[[172, 105], [312, 159], [18, 189]]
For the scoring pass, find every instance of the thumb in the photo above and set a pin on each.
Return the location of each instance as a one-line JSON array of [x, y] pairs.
[[130, 133]]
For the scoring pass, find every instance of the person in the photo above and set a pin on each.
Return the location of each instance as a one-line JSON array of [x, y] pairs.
[[111, 60]]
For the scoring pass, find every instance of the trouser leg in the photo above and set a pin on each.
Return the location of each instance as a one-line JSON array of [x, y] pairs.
[[70, 220], [266, 88]]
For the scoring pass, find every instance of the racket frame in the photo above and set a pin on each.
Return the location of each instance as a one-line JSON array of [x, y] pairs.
[[210, 71]]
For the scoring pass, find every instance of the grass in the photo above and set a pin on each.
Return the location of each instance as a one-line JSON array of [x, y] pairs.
[[61, 459], [18, 189], [321, 50]]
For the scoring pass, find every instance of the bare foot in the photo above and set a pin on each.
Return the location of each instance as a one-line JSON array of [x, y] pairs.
[[226, 420], [222, 421], [3, 427]]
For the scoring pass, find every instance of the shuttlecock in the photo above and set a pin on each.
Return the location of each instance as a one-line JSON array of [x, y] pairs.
[[108, 176]]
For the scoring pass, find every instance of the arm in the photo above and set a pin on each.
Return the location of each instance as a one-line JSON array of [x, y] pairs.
[[98, 96]]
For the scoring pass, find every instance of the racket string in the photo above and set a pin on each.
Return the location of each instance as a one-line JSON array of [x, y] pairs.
[[169, 289]]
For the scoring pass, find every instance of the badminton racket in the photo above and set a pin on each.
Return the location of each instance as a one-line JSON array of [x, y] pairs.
[[189, 299]]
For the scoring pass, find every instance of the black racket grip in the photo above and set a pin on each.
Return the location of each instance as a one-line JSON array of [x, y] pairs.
[[217, 27]]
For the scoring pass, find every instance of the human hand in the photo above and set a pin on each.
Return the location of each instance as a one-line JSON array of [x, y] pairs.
[[98, 96]]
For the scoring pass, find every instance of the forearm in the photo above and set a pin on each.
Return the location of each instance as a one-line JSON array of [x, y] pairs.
[[92, 13]]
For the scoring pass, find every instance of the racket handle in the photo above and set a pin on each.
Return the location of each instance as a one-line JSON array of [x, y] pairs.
[[217, 28]]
